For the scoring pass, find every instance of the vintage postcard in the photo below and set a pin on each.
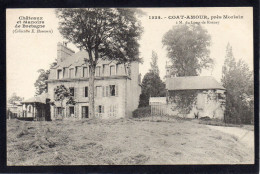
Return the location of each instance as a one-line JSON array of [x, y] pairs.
[[130, 86]]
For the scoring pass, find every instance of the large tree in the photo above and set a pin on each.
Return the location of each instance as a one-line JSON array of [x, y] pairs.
[[152, 85], [188, 49], [154, 64], [41, 84], [237, 78], [104, 33], [14, 98]]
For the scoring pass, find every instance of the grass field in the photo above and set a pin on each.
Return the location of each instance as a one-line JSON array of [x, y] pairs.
[[123, 141]]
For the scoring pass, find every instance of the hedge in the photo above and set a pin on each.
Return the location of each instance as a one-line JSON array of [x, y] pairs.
[[142, 112]]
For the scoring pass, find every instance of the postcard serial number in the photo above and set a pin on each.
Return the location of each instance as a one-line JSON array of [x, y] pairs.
[[179, 17]]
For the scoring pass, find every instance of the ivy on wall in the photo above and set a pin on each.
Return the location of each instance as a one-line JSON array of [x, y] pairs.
[[184, 100]]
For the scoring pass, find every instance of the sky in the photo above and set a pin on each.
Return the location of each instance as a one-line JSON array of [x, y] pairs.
[[28, 52]]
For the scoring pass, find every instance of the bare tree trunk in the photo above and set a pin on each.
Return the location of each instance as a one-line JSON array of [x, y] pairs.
[[91, 92]]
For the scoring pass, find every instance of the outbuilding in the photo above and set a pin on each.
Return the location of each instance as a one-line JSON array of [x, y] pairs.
[[37, 108], [206, 97]]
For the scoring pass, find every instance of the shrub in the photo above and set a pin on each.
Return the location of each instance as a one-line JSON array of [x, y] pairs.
[[142, 112], [205, 118]]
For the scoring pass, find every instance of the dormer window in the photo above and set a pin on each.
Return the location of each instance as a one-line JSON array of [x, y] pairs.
[[112, 70], [97, 72], [77, 71], [59, 74], [105, 70], [65, 72], [71, 73], [85, 72]]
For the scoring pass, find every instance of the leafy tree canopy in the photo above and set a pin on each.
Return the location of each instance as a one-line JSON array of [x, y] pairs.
[[107, 33], [238, 80], [154, 64], [104, 33], [152, 85], [188, 49], [14, 98], [41, 84], [62, 93]]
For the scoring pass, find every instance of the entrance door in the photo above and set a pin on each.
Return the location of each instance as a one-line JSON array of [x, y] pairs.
[[84, 112]]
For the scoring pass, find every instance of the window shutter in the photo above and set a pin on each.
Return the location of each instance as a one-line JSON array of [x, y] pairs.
[[75, 92], [102, 109], [116, 90], [103, 91], [108, 87], [106, 91], [95, 91], [96, 109], [76, 111]]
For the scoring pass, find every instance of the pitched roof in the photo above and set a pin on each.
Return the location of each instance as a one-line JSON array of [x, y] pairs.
[[157, 100], [77, 59], [192, 82], [18, 103], [37, 99]]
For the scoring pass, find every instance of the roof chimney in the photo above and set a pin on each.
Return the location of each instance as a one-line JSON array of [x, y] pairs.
[[63, 52]]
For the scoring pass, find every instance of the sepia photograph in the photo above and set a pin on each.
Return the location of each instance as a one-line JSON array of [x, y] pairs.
[[130, 86]]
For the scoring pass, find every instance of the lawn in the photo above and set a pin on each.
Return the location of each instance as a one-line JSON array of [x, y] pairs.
[[123, 141]]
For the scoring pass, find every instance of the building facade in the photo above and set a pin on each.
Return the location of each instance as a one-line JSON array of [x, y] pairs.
[[14, 110], [37, 108], [117, 86], [208, 96]]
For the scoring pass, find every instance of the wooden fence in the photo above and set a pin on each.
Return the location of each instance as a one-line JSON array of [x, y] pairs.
[[159, 109]]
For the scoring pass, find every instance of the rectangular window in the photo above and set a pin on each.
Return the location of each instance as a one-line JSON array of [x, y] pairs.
[[112, 70], [30, 109], [97, 73], [76, 71], [105, 70], [118, 68], [112, 90], [85, 72], [59, 74], [99, 91], [59, 111], [84, 111], [72, 91], [65, 72], [71, 75], [112, 111], [99, 109], [86, 92], [71, 110]]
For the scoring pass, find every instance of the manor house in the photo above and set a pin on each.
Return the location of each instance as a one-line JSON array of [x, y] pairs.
[[117, 86]]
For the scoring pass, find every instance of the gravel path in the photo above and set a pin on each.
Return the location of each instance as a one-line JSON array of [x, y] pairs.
[[243, 135]]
